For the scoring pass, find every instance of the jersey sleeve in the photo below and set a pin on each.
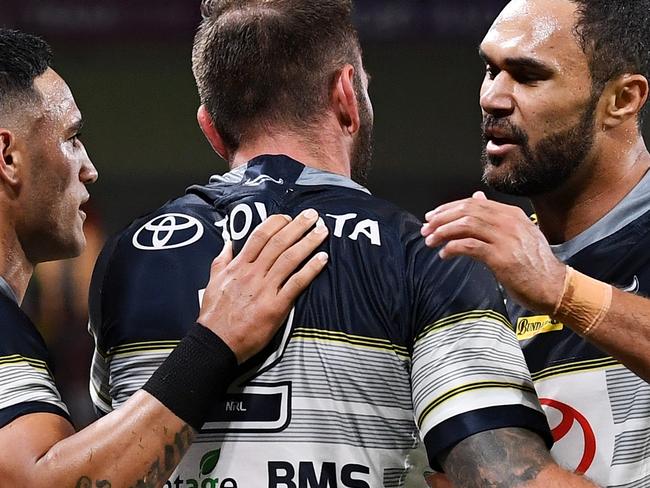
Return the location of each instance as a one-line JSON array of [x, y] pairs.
[[144, 296], [468, 371], [26, 382]]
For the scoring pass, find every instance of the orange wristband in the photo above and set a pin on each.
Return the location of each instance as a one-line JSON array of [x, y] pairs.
[[584, 302]]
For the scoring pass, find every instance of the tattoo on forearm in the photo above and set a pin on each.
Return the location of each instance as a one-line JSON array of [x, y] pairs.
[[84, 482], [502, 458], [156, 476]]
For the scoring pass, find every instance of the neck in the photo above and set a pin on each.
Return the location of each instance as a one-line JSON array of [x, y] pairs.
[[593, 191], [15, 268], [320, 152]]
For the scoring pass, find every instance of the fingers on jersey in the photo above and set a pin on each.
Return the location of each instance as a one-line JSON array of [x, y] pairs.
[[470, 220], [246, 300], [280, 246], [464, 219], [223, 259], [261, 236], [297, 283]]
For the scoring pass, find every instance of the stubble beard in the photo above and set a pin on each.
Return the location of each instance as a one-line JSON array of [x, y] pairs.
[[361, 157], [543, 168]]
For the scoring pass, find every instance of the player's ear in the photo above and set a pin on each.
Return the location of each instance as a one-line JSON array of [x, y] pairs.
[[344, 100], [211, 133], [624, 98], [10, 158]]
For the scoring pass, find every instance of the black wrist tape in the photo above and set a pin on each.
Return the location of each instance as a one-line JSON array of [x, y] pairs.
[[194, 375]]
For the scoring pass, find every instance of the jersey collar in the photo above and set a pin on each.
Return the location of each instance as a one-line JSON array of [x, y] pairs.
[[634, 205], [5, 289], [306, 176]]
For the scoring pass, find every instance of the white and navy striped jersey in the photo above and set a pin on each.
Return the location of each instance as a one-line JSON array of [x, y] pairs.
[[26, 381], [389, 349], [598, 409]]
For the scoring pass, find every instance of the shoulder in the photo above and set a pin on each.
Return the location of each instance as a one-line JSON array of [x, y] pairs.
[[148, 277], [177, 224], [26, 381], [351, 213], [173, 228], [19, 335]]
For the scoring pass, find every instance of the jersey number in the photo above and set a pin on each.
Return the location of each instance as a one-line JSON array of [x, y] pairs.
[[255, 406]]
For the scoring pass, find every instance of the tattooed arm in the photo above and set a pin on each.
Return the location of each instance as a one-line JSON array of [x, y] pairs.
[[506, 458], [140, 444]]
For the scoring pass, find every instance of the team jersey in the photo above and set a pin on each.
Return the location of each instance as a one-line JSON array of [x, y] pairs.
[[598, 409], [388, 346], [26, 381]]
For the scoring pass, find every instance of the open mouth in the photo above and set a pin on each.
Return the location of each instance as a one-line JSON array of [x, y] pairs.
[[501, 141], [498, 144]]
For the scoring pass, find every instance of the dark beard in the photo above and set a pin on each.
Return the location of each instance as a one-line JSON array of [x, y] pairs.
[[546, 166], [361, 156]]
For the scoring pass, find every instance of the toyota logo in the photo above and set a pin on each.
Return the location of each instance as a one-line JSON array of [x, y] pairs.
[[169, 231]]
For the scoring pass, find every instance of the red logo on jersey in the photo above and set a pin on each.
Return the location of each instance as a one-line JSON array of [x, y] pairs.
[[569, 417]]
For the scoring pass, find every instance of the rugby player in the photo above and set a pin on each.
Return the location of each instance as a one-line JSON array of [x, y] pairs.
[[390, 343], [44, 170], [563, 100]]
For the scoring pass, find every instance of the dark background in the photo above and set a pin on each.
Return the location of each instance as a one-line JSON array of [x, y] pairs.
[[128, 64]]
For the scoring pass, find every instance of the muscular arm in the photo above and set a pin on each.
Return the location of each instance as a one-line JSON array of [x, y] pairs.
[[140, 444], [505, 239], [506, 458]]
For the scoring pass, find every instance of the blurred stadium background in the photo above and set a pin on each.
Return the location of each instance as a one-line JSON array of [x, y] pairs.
[[128, 64]]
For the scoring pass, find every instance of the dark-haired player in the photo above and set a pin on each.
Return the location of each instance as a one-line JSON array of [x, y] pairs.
[[563, 100], [389, 345], [44, 170]]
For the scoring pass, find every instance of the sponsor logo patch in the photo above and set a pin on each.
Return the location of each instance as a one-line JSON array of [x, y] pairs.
[[168, 231], [528, 327]]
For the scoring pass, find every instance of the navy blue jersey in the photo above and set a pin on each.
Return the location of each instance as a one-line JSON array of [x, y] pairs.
[[599, 410], [389, 344], [26, 382]]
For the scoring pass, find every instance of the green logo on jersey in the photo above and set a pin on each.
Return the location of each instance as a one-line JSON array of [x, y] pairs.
[[209, 461], [206, 466]]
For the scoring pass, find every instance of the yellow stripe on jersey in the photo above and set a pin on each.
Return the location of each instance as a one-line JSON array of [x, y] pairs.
[[134, 347], [301, 333], [463, 317], [575, 367], [479, 385], [14, 359]]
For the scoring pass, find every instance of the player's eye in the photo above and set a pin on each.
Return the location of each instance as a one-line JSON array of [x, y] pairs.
[[76, 139], [527, 78], [491, 71]]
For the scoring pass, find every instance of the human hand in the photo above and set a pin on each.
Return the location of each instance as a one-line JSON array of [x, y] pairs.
[[249, 296], [504, 238]]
